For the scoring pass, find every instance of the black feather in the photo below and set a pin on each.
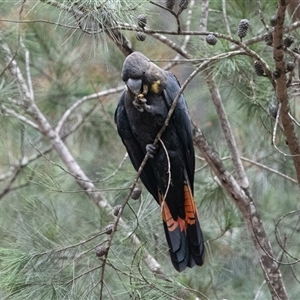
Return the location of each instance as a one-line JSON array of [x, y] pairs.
[[138, 128]]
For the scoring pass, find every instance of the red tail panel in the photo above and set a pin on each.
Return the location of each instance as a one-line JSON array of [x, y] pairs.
[[184, 236]]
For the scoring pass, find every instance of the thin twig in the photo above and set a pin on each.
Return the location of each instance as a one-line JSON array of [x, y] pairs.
[[27, 63], [169, 174], [256, 164], [296, 260], [176, 15], [274, 134], [269, 169], [225, 17], [294, 120], [40, 21], [8, 186], [162, 38], [83, 274], [83, 100], [262, 19], [204, 16], [22, 118], [186, 40], [63, 152], [117, 170]]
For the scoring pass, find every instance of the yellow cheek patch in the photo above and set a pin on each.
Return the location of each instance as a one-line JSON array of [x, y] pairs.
[[155, 87]]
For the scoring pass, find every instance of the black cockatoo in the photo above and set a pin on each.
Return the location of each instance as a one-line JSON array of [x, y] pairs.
[[169, 172]]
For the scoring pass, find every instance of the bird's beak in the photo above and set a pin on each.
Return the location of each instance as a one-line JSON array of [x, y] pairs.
[[134, 85]]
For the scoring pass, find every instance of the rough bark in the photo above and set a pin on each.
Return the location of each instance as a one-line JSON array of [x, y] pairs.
[[250, 215], [281, 88]]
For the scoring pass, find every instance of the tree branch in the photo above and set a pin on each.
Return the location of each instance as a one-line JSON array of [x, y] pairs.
[[281, 88], [242, 178], [204, 15], [65, 155], [225, 17], [83, 100], [250, 215], [269, 169], [11, 112]]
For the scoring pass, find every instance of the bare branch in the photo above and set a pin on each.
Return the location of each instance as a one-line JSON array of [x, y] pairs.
[[40, 21], [269, 169], [186, 37], [296, 260], [16, 72], [169, 175], [171, 44], [250, 215], [9, 185], [281, 88], [12, 113], [262, 19], [65, 155], [294, 120], [29, 82], [204, 15], [237, 162], [8, 174], [255, 163], [83, 100], [225, 17]]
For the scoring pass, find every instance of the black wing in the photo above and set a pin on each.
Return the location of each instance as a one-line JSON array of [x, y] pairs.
[[182, 123], [135, 151]]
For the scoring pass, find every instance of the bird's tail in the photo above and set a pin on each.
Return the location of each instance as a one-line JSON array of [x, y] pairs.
[[184, 235]]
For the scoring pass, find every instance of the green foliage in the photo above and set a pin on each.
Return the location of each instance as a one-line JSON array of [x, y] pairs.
[[49, 228]]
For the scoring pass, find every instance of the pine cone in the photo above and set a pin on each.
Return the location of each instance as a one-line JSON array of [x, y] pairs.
[[140, 36], [290, 66], [142, 20], [101, 251], [109, 228], [288, 41], [268, 38], [274, 20], [276, 74], [117, 210], [211, 39], [258, 68], [183, 4], [273, 109], [169, 4], [136, 193], [243, 28]]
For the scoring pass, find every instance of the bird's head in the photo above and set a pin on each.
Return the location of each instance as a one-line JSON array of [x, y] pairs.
[[142, 76]]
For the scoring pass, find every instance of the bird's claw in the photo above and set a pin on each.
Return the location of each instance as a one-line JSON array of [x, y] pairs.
[[141, 98], [139, 106], [140, 103], [151, 149]]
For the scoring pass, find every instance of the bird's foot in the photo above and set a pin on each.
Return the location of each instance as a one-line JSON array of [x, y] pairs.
[[140, 103], [151, 149]]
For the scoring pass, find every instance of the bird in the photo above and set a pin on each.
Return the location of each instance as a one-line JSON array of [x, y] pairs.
[[169, 171]]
